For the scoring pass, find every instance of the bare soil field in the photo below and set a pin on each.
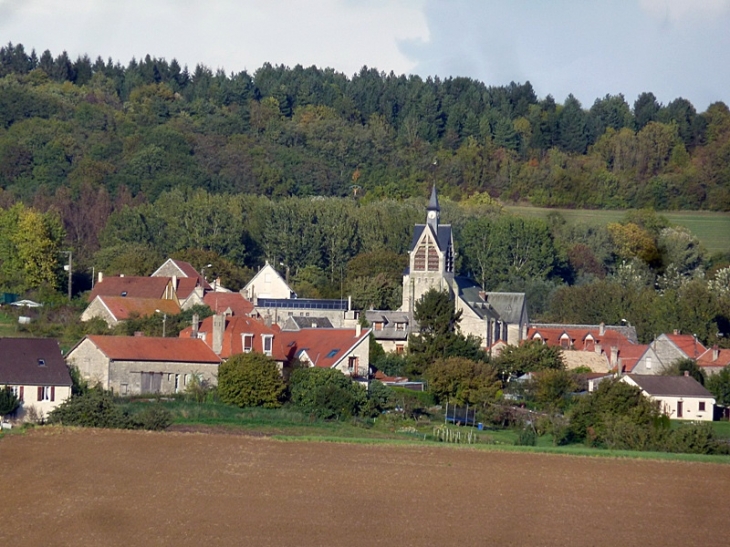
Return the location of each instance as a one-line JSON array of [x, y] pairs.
[[102, 487]]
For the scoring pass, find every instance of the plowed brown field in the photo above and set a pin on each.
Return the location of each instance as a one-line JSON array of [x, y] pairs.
[[93, 487]]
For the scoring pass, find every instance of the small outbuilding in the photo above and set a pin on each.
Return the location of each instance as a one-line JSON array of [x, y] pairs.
[[679, 397]]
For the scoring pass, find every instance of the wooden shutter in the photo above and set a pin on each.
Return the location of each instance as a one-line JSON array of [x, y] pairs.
[[22, 393], [53, 393], [40, 393]]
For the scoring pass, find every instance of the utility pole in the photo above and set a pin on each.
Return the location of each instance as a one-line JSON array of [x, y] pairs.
[[69, 268]]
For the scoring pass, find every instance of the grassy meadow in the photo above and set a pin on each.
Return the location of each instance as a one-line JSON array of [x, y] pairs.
[[712, 229]]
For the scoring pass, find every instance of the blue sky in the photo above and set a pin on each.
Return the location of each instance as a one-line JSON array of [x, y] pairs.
[[674, 48]]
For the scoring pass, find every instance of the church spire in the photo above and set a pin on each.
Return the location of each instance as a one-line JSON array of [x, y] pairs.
[[433, 211]]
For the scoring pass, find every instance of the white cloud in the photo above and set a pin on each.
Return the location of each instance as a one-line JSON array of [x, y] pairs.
[[680, 11]]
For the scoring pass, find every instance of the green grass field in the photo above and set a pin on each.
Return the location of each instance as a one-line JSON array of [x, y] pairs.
[[712, 229], [7, 325], [292, 425]]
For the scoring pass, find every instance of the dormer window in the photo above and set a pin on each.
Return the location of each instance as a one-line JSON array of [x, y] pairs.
[[124, 293], [247, 340], [565, 341], [268, 343], [41, 362]]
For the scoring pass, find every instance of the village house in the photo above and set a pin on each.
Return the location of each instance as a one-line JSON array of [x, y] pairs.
[[679, 397], [714, 360], [390, 329], [35, 371], [346, 350], [134, 365]]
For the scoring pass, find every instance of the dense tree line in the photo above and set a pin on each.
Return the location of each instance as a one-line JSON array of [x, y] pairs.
[[152, 125]]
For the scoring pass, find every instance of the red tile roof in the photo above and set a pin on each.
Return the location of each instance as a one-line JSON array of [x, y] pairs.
[[20, 362], [219, 302], [186, 270], [185, 286], [688, 344], [630, 355], [324, 347], [122, 307], [135, 287], [143, 348], [711, 359], [581, 338], [235, 328]]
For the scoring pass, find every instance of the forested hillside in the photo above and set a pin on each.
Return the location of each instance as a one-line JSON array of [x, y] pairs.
[[152, 125], [324, 175]]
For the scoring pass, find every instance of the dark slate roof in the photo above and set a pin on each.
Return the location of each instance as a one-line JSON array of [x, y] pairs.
[[509, 305], [433, 202], [678, 386], [443, 238], [311, 322], [386, 316], [20, 362]]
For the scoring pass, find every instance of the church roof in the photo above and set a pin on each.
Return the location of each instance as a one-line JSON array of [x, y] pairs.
[[443, 238], [507, 305], [433, 202]]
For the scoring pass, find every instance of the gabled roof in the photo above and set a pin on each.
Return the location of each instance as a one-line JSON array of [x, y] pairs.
[[325, 348], [122, 308], [629, 354], [507, 306], [186, 286], [386, 316], [143, 348], [443, 238], [131, 286], [678, 386], [686, 343], [711, 359], [221, 302], [235, 327], [297, 322], [32, 361], [183, 269]]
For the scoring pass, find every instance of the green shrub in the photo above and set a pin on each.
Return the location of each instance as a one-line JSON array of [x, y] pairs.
[[326, 393], [95, 408], [251, 379], [153, 418], [8, 401], [526, 437]]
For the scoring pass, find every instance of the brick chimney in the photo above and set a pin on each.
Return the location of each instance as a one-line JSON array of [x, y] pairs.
[[100, 277], [219, 326], [614, 355]]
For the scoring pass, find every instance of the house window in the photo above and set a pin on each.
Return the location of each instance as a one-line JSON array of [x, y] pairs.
[[46, 393], [123, 389], [41, 362], [352, 365], [268, 342], [400, 326], [18, 392], [247, 343], [378, 326], [177, 383], [702, 406], [400, 349], [564, 342]]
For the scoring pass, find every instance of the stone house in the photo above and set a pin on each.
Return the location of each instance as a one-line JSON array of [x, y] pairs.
[[267, 283], [714, 360], [679, 397], [133, 365], [390, 329], [36, 372]]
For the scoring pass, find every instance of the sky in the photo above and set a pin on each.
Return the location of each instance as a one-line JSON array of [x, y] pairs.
[[673, 48]]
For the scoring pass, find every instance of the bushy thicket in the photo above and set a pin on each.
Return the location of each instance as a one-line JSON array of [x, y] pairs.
[[97, 408], [251, 379]]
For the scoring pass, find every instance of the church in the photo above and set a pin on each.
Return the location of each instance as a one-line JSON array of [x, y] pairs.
[[496, 318]]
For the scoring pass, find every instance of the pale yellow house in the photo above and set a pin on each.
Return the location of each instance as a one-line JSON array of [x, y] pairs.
[[679, 397]]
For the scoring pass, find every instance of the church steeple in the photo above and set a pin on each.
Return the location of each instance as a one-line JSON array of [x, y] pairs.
[[433, 211]]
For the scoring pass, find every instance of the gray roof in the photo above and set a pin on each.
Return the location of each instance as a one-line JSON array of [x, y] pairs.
[[32, 361], [296, 322], [386, 316], [443, 238], [433, 202], [507, 305], [678, 386]]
